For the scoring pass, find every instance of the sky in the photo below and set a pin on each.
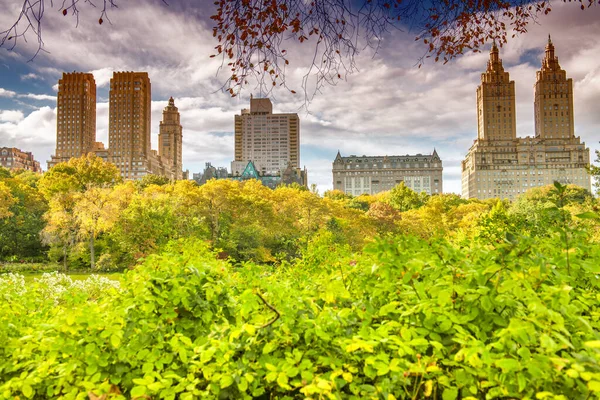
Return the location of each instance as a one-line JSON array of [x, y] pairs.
[[388, 106]]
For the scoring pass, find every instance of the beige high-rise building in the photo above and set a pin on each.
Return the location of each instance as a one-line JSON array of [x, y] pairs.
[[356, 175], [75, 117], [170, 139], [129, 123], [553, 99], [270, 141], [496, 114], [129, 126], [501, 165]]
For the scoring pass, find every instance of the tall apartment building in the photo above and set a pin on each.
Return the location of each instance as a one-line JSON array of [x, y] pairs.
[[170, 138], [501, 165], [13, 158], [75, 117], [129, 123], [129, 126], [356, 175], [270, 141]]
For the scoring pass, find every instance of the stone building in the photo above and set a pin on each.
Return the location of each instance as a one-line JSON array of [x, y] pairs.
[[13, 158], [501, 165], [129, 136], [75, 117], [270, 141], [129, 124], [170, 139], [356, 175]]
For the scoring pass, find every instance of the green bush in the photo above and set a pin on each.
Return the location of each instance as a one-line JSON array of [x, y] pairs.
[[408, 318]]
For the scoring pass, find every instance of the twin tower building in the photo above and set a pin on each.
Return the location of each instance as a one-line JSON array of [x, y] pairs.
[[129, 146], [500, 165]]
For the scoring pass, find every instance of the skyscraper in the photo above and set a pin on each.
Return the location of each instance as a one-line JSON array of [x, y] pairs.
[[170, 139], [75, 117], [129, 123], [553, 94], [501, 165], [270, 141], [496, 110]]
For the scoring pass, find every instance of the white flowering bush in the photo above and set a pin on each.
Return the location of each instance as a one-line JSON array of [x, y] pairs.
[[12, 284], [59, 287]]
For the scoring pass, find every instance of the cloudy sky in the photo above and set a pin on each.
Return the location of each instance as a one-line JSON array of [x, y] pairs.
[[388, 107]]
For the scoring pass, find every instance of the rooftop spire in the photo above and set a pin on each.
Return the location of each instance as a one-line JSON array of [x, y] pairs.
[[549, 39], [494, 56]]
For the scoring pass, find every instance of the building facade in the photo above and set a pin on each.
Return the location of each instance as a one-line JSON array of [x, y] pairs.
[[286, 177], [209, 173], [356, 175], [129, 124], [75, 117], [13, 158], [270, 141], [501, 165], [170, 138]]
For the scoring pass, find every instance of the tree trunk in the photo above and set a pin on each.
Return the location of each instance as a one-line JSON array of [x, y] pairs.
[[65, 257], [92, 253]]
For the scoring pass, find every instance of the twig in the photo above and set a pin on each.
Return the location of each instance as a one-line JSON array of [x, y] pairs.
[[272, 309]]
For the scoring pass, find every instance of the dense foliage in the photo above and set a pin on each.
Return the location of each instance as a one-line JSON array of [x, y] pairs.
[[407, 318], [81, 215], [240, 291]]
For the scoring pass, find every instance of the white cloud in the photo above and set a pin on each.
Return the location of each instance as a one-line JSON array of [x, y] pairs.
[[102, 76], [36, 132], [37, 96], [7, 93], [11, 116], [30, 76]]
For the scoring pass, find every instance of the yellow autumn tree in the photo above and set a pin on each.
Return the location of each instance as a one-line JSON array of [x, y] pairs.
[[6, 200]]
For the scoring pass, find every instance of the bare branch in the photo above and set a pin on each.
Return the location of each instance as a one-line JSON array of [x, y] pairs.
[[272, 309]]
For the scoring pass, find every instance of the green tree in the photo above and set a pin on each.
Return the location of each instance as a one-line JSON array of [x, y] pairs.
[[22, 223], [151, 179], [6, 201], [63, 186], [402, 198]]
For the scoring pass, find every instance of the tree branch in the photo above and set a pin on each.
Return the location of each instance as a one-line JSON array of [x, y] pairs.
[[272, 309]]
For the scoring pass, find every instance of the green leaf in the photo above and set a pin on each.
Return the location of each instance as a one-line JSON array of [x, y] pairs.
[[594, 344], [183, 355], [594, 386], [115, 340], [138, 391], [282, 380], [27, 391], [226, 381], [450, 394], [588, 215], [388, 308], [508, 364], [269, 347], [91, 369]]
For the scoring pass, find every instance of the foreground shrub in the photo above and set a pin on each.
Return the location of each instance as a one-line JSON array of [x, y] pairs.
[[406, 319]]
